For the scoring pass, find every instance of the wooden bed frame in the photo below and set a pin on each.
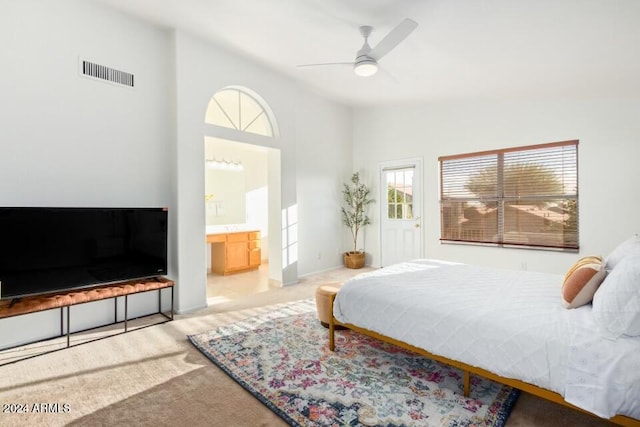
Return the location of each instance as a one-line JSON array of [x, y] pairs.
[[467, 369]]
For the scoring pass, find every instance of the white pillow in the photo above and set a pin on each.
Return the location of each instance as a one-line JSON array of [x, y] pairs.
[[616, 304], [631, 246]]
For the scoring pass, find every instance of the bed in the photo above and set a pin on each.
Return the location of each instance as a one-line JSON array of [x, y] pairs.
[[509, 326]]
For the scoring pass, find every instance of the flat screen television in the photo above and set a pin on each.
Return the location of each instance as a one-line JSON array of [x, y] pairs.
[[46, 250]]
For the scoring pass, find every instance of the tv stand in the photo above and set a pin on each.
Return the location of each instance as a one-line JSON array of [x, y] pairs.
[[38, 303]]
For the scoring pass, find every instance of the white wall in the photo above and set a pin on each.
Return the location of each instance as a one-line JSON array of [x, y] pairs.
[[608, 131], [63, 136], [227, 204], [324, 163], [67, 140]]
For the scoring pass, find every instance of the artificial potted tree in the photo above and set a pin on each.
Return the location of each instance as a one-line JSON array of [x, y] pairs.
[[354, 215]]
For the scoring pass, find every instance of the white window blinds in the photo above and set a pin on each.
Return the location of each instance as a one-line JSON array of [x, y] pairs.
[[518, 196]]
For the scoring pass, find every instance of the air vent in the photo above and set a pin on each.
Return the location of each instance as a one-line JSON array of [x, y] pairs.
[[105, 73]]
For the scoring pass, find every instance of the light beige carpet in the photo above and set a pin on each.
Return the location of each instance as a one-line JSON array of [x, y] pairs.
[[154, 376]]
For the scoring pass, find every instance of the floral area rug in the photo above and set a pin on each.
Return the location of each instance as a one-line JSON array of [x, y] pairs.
[[282, 358]]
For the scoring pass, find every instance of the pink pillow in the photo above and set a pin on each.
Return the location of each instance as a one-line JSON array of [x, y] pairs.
[[582, 281]]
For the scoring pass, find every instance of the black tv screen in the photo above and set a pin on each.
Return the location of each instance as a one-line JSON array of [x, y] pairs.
[[44, 250]]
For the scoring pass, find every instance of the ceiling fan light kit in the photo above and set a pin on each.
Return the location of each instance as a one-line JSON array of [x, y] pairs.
[[365, 67]]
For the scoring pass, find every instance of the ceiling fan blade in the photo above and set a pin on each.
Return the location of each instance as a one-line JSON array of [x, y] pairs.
[[324, 63], [398, 34]]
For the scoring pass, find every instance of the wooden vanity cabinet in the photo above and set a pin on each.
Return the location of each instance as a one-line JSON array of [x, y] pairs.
[[234, 252]]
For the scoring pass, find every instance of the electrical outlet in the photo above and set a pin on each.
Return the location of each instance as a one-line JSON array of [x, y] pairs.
[[523, 265]]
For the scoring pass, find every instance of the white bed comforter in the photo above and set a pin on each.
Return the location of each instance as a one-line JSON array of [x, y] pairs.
[[511, 323]]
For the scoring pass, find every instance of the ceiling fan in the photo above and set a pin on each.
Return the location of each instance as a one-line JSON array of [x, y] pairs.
[[366, 62]]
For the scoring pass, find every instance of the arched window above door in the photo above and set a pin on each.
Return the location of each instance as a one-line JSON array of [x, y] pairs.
[[237, 109]]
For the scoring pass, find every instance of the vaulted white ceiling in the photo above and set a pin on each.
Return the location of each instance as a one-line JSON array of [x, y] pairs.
[[461, 48]]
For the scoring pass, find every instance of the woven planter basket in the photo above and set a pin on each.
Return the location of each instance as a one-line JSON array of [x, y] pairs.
[[354, 259]]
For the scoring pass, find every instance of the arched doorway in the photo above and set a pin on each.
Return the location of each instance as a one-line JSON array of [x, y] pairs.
[[242, 192]]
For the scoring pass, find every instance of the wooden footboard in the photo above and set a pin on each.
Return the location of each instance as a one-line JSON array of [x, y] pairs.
[[468, 369]]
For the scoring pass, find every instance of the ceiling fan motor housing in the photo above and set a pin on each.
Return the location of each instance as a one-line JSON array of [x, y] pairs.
[[365, 65]]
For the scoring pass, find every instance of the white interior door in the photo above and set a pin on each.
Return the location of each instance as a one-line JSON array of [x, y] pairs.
[[401, 211]]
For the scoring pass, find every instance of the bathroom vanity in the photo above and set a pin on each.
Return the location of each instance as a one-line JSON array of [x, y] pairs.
[[234, 251]]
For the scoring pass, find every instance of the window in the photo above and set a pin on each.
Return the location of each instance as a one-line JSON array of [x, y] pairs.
[[237, 109], [524, 196], [399, 193]]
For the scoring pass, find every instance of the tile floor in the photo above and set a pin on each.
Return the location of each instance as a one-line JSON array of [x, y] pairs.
[[226, 288]]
